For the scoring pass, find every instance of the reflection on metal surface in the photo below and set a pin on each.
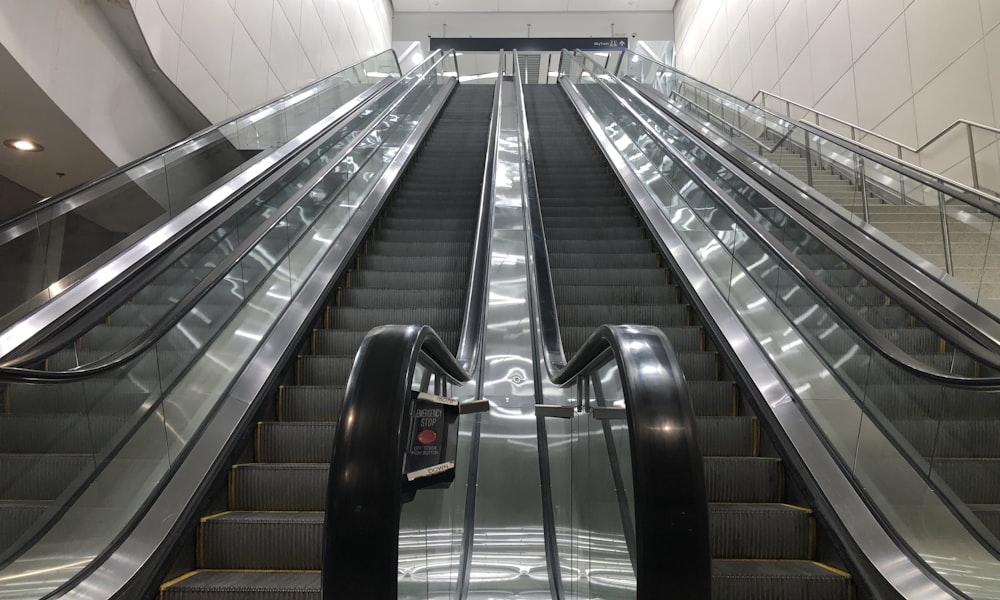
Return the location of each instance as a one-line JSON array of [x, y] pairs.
[[508, 551], [739, 310]]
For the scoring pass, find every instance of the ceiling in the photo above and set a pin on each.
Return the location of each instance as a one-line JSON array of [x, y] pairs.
[[616, 6], [27, 111]]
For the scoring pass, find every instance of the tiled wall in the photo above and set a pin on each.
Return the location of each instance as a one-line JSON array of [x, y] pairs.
[[904, 68], [228, 56]]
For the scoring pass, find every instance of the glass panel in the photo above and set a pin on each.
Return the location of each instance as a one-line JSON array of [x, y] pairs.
[[89, 226], [592, 492], [113, 437], [915, 446], [431, 526], [864, 191]]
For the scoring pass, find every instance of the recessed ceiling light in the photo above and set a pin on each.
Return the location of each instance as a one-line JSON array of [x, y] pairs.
[[24, 145]]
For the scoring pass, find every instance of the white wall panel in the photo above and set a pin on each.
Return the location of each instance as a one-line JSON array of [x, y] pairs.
[[904, 68], [417, 26], [65, 47], [228, 56]]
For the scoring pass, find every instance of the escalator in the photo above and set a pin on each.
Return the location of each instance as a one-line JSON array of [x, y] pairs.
[[413, 268], [605, 270]]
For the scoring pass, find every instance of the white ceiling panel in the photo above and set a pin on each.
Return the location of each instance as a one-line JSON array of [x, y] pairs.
[[503, 6]]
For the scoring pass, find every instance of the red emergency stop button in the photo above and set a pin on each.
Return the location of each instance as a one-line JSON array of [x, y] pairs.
[[427, 437]]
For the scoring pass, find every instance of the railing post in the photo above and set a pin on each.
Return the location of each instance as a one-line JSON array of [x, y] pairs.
[[972, 155], [902, 179], [809, 162], [945, 235], [863, 183], [788, 109]]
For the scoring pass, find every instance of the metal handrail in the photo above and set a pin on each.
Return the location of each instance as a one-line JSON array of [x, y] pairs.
[[671, 509], [840, 307], [969, 126], [475, 312], [849, 143], [48, 202], [16, 370]]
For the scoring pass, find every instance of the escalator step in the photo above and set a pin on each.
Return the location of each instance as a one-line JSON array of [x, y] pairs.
[[16, 518], [40, 476], [975, 480], [348, 317], [665, 315], [316, 369], [713, 398], [310, 402], [744, 479], [60, 433], [294, 442], [244, 585], [278, 486], [272, 540], [727, 436], [410, 280], [778, 580], [389, 298], [760, 531], [608, 277]]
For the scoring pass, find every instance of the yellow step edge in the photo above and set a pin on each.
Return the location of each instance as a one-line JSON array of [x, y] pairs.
[[231, 501], [812, 536], [281, 403], [177, 580], [833, 570], [257, 445]]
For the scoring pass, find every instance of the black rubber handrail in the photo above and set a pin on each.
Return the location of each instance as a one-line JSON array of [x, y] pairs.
[[69, 325], [62, 196], [840, 307], [819, 218], [364, 492], [475, 301], [673, 558], [16, 371], [971, 196]]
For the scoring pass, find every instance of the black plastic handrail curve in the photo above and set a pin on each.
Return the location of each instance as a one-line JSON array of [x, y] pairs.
[[62, 196], [840, 307], [15, 371], [364, 490], [972, 196], [67, 325], [673, 557], [819, 220]]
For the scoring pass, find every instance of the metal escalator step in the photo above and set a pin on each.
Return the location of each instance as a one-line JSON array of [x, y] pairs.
[[604, 233], [600, 259], [617, 210], [989, 514], [713, 398], [278, 486], [337, 341], [244, 585], [975, 480], [390, 298], [261, 540], [295, 442], [683, 339], [619, 294], [743, 479], [60, 433], [627, 246], [665, 315], [96, 398], [409, 280], [324, 369], [348, 317], [430, 247], [415, 262], [727, 436], [579, 223], [607, 277], [778, 580], [310, 402], [912, 400], [403, 236], [964, 438], [16, 518], [760, 531], [40, 476]]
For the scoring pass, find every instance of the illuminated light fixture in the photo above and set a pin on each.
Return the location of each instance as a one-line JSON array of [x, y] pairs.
[[22, 144]]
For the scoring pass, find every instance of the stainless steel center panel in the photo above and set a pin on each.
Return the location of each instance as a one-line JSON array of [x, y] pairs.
[[508, 551]]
